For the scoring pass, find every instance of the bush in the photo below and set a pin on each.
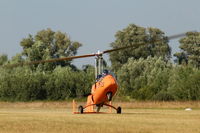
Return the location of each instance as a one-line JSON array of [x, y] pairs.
[[23, 84], [185, 83], [144, 79]]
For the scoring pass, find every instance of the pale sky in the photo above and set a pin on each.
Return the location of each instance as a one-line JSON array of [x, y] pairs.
[[92, 22]]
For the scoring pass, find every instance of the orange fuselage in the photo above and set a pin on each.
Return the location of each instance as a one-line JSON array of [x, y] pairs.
[[102, 87]]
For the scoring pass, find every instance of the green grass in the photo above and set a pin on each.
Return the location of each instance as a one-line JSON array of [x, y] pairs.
[[58, 118]]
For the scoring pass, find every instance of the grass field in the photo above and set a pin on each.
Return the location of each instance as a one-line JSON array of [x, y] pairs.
[[137, 117]]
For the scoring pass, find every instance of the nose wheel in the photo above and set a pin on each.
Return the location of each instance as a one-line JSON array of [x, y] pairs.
[[109, 96]]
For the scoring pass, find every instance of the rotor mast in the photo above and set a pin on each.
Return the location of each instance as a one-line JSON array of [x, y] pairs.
[[98, 64]]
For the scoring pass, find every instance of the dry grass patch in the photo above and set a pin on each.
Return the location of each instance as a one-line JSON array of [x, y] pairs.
[[53, 117], [132, 121]]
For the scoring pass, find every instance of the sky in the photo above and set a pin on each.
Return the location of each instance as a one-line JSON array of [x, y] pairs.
[[93, 22]]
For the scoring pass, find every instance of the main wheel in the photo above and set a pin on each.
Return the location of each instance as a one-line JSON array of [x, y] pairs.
[[119, 110], [80, 109]]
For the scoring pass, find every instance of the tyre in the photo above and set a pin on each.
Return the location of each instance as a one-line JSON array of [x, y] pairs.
[[80, 109], [119, 110]]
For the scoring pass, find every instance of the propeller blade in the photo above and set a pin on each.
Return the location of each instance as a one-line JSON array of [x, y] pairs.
[[84, 95]]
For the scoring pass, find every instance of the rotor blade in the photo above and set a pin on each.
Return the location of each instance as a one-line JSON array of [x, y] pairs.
[[136, 46], [90, 55], [50, 60], [178, 35], [125, 47]]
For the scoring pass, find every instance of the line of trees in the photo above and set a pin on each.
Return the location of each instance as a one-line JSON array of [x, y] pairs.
[[145, 73]]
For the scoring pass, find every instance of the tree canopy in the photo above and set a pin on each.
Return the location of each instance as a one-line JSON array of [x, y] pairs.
[[47, 44], [153, 41], [3, 59], [190, 49]]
